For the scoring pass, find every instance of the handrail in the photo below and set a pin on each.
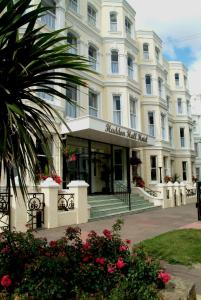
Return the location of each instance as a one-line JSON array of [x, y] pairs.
[[123, 193], [151, 192]]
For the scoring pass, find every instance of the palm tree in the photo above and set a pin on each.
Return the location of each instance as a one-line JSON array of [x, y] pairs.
[[32, 61]]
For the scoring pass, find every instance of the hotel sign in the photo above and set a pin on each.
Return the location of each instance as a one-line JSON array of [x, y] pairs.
[[126, 133]]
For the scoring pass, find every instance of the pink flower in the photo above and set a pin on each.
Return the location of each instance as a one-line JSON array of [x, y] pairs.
[[6, 281], [110, 269], [53, 244], [107, 233], [86, 246], [122, 248], [120, 263], [165, 277], [100, 260], [128, 241]]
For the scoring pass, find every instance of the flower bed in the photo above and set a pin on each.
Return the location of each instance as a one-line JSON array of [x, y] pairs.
[[102, 267]]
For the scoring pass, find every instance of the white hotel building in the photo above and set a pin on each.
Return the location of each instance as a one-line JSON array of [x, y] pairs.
[[136, 104]]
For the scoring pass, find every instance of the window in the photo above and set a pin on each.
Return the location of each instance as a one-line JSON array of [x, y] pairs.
[[184, 170], [118, 164], [92, 52], [93, 104], [160, 86], [114, 62], [50, 16], [133, 115], [182, 138], [165, 165], [73, 5], [171, 135], [117, 109], [130, 67], [179, 106], [146, 51], [163, 119], [44, 94], [176, 76], [157, 53], [71, 110], [148, 84], [72, 41], [196, 148], [113, 21], [153, 168], [151, 123], [91, 15], [168, 103], [128, 26], [190, 138], [188, 108], [197, 170]]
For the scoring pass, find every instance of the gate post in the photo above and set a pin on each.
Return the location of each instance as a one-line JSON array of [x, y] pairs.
[[18, 211], [183, 192], [177, 194], [170, 192], [79, 189], [50, 189], [198, 204]]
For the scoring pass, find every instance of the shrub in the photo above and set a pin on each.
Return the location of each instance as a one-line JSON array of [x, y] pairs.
[[101, 267]]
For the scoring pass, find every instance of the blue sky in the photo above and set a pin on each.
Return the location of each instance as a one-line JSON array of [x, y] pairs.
[[178, 24]]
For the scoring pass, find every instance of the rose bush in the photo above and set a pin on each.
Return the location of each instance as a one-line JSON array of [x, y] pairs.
[[70, 268]]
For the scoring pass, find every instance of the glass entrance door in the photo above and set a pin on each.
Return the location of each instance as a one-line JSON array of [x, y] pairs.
[[101, 169]]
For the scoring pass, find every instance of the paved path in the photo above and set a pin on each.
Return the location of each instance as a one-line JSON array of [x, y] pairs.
[[137, 227]]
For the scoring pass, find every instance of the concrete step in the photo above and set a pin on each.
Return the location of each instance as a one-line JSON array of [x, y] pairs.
[[107, 205]]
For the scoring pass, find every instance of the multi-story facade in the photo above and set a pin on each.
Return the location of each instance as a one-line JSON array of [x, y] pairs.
[[196, 116], [135, 104]]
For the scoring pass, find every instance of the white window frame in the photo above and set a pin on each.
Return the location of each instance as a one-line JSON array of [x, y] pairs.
[[114, 63], [71, 108], [73, 5], [113, 24], [49, 17], [91, 14], [176, 78], [151, 127], [157, 53], [116, 112], [146, 52], [94, 109], [170, 130], [148, 87], [130, 68], [133, 112], [93, 59], [74, 46], [182, 138], [179, 106], [163, 126], [128, 26], [153, 168]]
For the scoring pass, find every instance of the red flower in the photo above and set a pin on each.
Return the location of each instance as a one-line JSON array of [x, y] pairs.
[[86, 246], [100, 260], [6, 281], [107, 233], [165, 277], [128, 241], [120, 263], [5, 250], [122, 248], [86, 258], [53, 244]]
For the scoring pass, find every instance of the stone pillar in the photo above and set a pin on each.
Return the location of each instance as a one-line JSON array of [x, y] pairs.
[[18, 211], [162, 195], [79, 189], [183, 192], [177, 192], [50, 189], [170, 189]]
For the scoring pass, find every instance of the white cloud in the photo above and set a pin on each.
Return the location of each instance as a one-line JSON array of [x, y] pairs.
[[178, 23]]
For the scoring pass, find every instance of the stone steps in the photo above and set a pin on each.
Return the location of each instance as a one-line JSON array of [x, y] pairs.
[[104, 206]]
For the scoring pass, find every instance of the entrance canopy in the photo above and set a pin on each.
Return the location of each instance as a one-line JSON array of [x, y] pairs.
[[92, 128]]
